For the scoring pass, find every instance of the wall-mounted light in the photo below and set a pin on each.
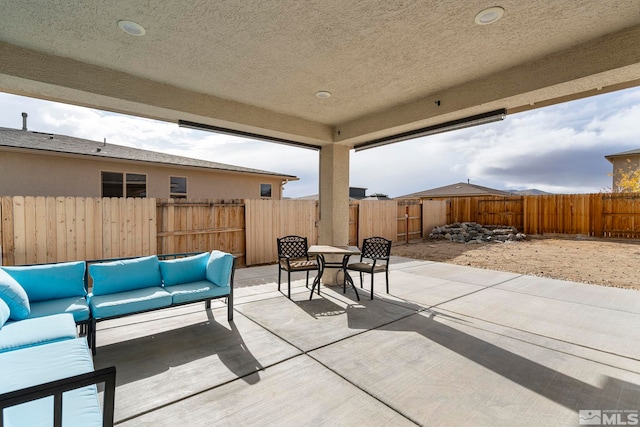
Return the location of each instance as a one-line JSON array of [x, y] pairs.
[[479, 119]]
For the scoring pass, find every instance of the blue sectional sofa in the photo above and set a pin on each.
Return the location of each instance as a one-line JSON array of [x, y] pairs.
[[136, 285], [41, 307], [42, 358]]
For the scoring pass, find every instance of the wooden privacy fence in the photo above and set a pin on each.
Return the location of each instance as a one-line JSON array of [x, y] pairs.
[[410, 213], [52, 229], [267, 220], [377, 218], [599, 215], [620, 215], [185, 225]]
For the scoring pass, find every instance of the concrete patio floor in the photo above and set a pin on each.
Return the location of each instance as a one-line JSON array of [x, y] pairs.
[[450, 346]]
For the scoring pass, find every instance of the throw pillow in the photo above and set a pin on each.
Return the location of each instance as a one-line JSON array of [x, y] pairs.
[[14, 296]]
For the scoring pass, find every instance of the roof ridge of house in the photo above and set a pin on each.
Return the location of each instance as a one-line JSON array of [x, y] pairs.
[[101, 149]]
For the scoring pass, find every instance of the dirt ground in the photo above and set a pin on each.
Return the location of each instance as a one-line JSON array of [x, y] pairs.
[[597, 261]]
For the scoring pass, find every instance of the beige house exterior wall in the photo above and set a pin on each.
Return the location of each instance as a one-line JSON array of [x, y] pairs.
[[47, 174], [623, 164]]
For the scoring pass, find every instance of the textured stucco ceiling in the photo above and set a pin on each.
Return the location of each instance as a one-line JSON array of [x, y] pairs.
[[255, 65]]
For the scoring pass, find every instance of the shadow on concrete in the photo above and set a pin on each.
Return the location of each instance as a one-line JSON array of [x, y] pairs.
[[543, 380], [318, 308], [146, 356]]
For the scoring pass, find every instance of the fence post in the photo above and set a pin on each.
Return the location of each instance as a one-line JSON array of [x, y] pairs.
[[406, 222]]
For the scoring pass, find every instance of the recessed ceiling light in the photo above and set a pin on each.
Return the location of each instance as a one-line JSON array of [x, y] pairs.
[[323, 94], [132, 28], [489, 16]]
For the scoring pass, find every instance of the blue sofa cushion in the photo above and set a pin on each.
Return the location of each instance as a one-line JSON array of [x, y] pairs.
[[219, 268], [184, 270], [50, 281], [195, 291], [14, 296], [77, 306], [104, 306], [125, 275], [4, 313], [36, 365], [33, 332]]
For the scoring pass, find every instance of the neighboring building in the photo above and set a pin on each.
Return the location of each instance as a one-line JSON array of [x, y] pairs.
[[627, 161], [461, 189], [41, 164], [357, 193]]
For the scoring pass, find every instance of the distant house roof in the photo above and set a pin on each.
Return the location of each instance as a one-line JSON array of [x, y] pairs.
[[317, 197], [355, 193], [461, 189], [635, 152], [53, 143], [377, 196]]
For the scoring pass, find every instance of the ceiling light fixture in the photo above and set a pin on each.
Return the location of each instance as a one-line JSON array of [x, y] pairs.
[[323, 94], [489, 16], [479, 119], [132, 28]]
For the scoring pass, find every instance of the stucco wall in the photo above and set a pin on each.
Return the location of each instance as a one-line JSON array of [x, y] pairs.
[[25, 174]]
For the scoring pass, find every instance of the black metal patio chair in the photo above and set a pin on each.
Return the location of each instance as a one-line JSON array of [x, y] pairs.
[[374, 258], [293, 256]]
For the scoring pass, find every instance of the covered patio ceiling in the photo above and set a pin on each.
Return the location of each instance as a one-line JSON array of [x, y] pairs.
[[256, 66]]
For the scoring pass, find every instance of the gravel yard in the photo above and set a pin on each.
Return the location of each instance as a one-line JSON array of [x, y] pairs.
[[605, 262]]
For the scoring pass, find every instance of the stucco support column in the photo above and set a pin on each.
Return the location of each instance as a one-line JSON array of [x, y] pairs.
[[334, 200]]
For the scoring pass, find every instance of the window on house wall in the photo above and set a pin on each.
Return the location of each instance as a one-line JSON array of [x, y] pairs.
[[136, 185], [112, 184], [115, 185], [178, 187], [265, 190]]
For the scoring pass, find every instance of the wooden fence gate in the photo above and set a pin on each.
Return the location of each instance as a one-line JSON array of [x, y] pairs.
[[185, 225]]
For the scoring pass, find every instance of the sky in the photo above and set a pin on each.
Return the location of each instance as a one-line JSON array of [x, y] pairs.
[[557, 149]]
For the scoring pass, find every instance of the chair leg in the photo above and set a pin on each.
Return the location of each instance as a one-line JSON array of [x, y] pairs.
[[361, 279], [372, 284], [386, 273], [289, 284], [279, 276], [316, 281], [307, 284]]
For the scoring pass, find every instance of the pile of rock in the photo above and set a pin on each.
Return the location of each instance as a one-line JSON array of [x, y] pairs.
[[471, 232]]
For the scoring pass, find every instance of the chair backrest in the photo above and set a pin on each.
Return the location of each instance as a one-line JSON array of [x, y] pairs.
[[292, 247], [376, 248]]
